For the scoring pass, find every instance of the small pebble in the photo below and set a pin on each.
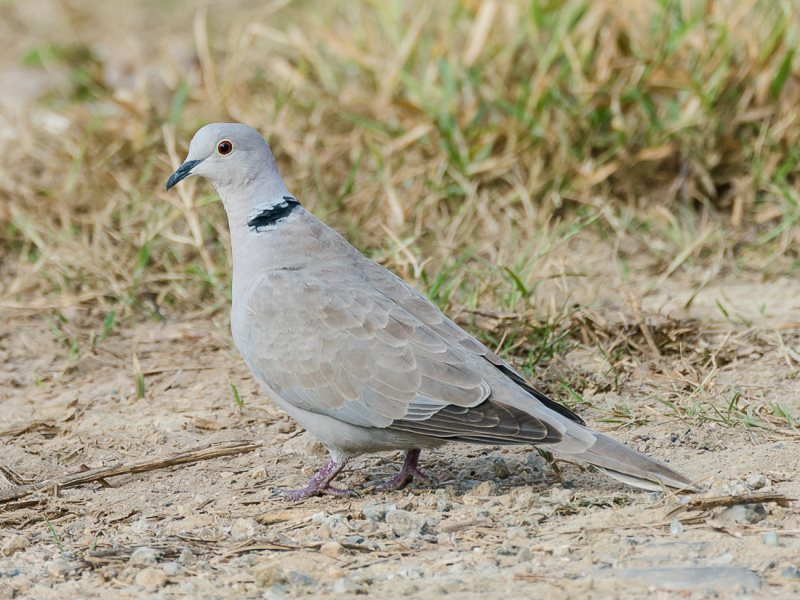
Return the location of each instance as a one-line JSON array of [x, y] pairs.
[[771, 538], [500, 468], [373, 511], [791, 572], [485, 489], [15, 543], [143, 557], [186, 556], [59, 568], [269, 574], [346, 585], [302, 579], [506, 549], [244, 529], [745, 513], [443, 505], [527, 500], [332, 549], [675, 527], [561, 497], [404, 523], [171, 568], [356, 540], [535, 461], [150, 579]]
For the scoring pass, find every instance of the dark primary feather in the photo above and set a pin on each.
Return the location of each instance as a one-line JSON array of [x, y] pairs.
[[487, 423]]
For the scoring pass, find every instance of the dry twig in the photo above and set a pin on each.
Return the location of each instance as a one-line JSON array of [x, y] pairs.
[[97, 475], [726, 501]]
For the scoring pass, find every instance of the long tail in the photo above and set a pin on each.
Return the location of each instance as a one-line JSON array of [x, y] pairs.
[[559, 431], [629, 466], [567, 435]]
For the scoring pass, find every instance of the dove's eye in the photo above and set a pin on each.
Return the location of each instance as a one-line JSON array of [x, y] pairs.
[[225, 147]]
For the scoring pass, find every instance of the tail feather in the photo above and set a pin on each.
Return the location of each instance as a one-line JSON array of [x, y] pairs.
[[629, 466]]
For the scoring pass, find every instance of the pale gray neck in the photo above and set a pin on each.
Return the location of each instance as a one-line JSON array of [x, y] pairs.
[[244, 199]]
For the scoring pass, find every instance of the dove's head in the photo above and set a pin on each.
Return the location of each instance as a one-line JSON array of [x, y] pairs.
[[234, 157]]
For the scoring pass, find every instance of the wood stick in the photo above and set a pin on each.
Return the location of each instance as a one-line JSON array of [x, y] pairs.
[[82, 477]]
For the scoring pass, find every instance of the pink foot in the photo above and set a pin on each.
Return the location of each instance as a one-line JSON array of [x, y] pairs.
[[319, 484], [406, 474]]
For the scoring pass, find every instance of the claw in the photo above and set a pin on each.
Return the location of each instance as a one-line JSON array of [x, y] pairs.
[[319, 485], [407, 473]]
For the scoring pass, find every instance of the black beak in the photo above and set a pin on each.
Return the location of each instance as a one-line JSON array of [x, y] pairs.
[[182, 173]]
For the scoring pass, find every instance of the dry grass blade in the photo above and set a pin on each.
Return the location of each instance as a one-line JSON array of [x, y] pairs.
[[96, 475], [726, 501]]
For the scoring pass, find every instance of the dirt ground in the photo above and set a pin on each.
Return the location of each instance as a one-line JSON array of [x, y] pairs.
[[717, 406], [500, 523]]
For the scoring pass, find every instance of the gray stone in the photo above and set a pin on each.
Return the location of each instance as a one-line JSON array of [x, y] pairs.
[[59, 567], [791, 572], [269, 574], [693, 578], [171, 568], [756, 482], [404, 523], [302, 579], [535, 461], [345, 585], [337, 524], [186, 556], [15, 543], [745, 513], [373, 511], [675, 527], [144, 557], [506, 549], [277, 592], [244, 529], [500, 468], [527, 500], [10, 573], [150, 579], [332, 549], [356, 540], [771, 538], [559, 496], [485, 489], [443, 505]]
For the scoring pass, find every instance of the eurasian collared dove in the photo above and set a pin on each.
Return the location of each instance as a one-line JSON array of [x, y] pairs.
[[357, 356]]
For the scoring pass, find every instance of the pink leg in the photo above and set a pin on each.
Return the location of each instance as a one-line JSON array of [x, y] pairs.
[[406, 474], [319, 484]]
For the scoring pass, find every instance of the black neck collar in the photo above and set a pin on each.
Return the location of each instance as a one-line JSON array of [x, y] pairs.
[[273, 214]]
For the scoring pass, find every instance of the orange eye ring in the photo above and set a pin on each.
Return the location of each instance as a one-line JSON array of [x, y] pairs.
[[224, 147]]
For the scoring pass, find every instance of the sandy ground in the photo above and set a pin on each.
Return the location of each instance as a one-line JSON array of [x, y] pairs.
[[501, 524]]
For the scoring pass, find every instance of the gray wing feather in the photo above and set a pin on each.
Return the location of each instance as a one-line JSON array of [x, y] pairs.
[[350, 350]]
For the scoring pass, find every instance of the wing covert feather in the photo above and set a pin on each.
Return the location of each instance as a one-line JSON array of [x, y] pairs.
[[344, 348]]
